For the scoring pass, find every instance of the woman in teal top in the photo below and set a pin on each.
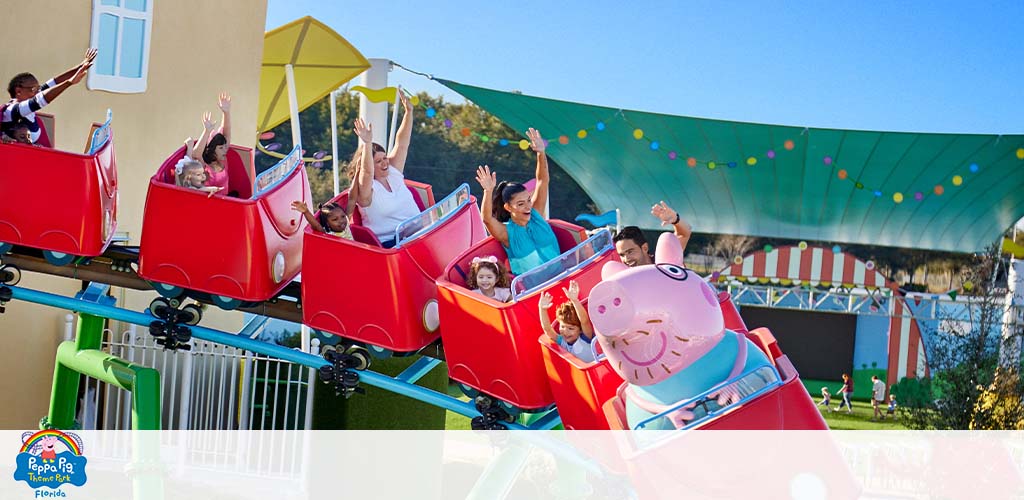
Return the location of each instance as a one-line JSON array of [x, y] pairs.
[[515, 218]]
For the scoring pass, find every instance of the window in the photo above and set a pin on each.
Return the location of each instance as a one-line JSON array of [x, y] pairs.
[[121, 31]]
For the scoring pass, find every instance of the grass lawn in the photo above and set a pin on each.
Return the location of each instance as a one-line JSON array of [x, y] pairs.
[[859, 420], [454, 421]]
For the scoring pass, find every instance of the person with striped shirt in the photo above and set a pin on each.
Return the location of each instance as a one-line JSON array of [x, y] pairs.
[[28, 97]]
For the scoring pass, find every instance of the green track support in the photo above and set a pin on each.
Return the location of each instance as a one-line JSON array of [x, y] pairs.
[[84, 357]]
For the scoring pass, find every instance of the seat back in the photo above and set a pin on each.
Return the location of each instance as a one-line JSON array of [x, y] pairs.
[[363, 234], [459, 270], [238, 173], [46, 130]]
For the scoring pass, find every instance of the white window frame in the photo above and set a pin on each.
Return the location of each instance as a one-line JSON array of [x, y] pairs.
[[115, 82]]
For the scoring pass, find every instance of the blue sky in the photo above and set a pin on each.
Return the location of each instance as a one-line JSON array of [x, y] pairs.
[[919, 66]]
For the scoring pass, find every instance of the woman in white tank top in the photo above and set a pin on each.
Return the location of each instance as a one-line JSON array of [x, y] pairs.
[[379, 186]]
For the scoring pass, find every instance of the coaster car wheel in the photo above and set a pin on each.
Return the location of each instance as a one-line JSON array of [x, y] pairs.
[[160, 307], [10, 275], [226, 303], [58, 258], [191, 314], [169, 291]]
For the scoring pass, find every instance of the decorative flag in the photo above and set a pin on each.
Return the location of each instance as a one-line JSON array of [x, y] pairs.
[[386, 94], [609, 218]]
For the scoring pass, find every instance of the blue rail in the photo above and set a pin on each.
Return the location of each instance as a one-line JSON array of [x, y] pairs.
[[374, 379], [418, 369], [599, 243], [422, 223], [100, 136], [271, 177]]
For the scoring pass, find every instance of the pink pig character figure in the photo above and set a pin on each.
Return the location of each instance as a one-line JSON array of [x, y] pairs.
[[48, 451], [661, 328]]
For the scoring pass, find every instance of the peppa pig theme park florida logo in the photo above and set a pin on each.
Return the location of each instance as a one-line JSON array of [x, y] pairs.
[[50, 459]]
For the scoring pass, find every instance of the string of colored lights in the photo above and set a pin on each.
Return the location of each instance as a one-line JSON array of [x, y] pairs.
[[692, 162]]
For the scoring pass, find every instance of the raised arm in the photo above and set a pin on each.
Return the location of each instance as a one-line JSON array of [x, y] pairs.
[[51, 93], [679, 226], [301, 207], [90, 56], [400, 150], [540, 193], [573, 294], [204, 138], [224, 103], [190, 147], [545, 318], [488, 180], [364, 178], [353, 173]]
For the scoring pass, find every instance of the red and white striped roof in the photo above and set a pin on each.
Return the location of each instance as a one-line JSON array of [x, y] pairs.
[[813, 265], [821, 266]]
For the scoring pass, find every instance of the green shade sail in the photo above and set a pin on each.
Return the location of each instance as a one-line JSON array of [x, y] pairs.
[[952, 192]]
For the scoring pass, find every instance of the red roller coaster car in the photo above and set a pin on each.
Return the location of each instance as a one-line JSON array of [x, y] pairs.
[[60, 202], [580, 388], [395, 307], [230, 249], [491, 346]]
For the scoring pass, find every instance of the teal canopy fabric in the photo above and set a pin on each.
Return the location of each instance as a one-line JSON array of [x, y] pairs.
[[954, 192]]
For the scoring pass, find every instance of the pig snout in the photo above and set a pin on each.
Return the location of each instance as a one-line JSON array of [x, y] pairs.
[[610, 309]]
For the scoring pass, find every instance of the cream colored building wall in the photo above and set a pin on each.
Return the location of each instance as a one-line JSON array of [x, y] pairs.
[[198, 49]]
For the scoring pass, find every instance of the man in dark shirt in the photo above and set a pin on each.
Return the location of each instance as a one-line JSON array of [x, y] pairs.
[[632, 246]]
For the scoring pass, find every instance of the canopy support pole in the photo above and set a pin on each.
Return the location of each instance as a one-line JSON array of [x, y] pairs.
[[334, 140], [293, 106], [375, 114]]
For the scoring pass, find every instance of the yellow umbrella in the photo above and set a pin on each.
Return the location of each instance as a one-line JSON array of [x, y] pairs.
[[321, 59]]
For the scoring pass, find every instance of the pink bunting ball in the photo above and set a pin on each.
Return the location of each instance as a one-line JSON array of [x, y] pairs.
[[827, 160], [672, 155]]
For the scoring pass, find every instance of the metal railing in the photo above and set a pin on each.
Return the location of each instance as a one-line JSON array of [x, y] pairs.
[[211, 387], [878, 302]]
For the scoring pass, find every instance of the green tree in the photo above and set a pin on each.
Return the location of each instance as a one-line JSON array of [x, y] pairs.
[[967, 388], [438, 155]]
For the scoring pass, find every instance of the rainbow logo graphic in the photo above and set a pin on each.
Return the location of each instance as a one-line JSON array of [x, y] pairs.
[[50, 459]]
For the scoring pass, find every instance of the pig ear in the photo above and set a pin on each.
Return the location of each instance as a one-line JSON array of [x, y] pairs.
[[668, 251], [612, 268]]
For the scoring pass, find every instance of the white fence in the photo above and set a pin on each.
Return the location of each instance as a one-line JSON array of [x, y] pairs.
[[211, 387]]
